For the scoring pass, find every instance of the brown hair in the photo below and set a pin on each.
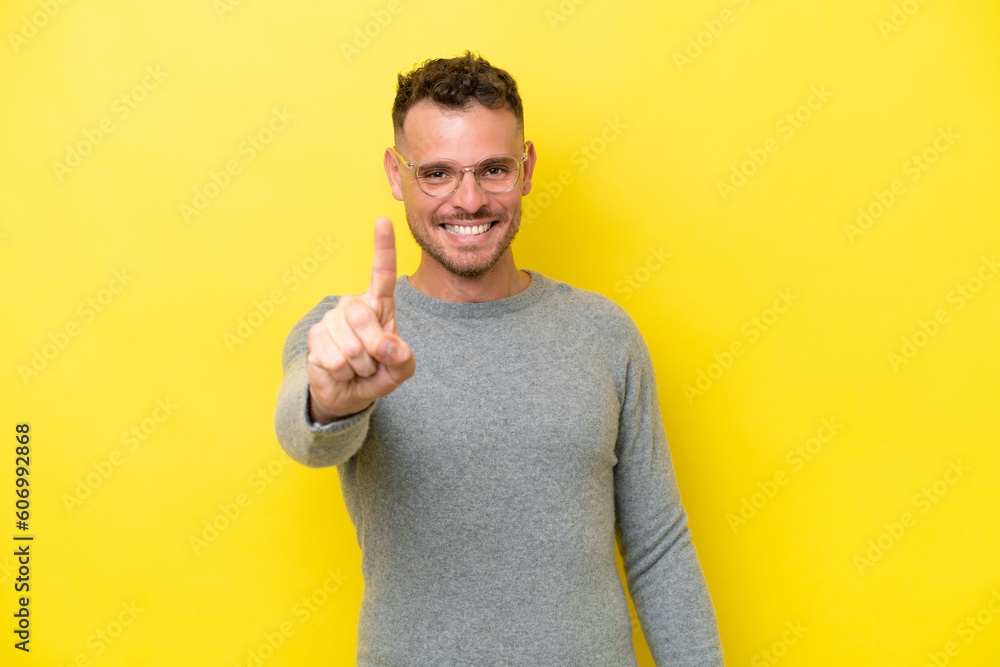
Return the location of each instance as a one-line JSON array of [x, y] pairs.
[[456, 83]]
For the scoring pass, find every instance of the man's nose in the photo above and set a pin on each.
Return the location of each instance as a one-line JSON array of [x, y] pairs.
[[469, 196]]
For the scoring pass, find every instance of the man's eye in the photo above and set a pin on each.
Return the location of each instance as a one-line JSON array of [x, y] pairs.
[[495, 170], [435, 175]]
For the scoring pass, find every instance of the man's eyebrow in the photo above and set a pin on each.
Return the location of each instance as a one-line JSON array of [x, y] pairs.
[[443, 161], [435, 162]]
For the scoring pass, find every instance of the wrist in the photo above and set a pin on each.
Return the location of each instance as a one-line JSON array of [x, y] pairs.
[[322, 416]]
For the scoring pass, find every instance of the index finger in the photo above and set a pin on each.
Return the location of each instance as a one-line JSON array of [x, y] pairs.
[[383, 282]]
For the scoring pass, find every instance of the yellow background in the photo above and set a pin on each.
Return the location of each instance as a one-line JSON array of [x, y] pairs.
[[893, 75]]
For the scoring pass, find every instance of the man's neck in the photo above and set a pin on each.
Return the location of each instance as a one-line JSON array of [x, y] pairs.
[[499, 282]]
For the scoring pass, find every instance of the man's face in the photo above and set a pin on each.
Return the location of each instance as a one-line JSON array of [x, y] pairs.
[[466, 137]]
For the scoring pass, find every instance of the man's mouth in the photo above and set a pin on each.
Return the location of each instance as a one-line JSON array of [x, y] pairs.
[[469, 229]]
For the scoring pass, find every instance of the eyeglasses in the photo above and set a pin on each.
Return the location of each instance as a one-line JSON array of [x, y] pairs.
[[495, 174]]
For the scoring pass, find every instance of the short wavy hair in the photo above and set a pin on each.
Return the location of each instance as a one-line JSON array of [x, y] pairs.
[[456, 83]]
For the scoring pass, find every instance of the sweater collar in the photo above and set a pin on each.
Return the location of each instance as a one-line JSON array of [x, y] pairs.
[[407, 295]]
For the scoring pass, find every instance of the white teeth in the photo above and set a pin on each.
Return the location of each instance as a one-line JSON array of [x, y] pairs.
[[467, 231]]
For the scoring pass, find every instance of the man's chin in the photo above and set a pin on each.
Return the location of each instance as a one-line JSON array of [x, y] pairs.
[[464, 269]]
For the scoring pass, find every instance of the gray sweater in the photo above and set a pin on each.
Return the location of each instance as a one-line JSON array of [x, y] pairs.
[[487, 490]]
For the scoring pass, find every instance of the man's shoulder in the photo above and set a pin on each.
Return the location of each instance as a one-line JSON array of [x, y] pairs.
[[593, 308]]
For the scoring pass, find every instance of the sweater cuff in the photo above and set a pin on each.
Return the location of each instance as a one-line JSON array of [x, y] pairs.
[[336, 425]]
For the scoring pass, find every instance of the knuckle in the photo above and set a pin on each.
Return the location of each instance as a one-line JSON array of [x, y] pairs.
[[319, 340], [358, 315], [320, 361], [347, 301], [351, 349], [334, 361], [315, 333], [337, 313]]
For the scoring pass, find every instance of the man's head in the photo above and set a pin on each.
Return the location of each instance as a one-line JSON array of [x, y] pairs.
[[461, 110]]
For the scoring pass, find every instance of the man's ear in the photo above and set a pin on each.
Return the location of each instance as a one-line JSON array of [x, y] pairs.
[[392, 173], [529, 168]]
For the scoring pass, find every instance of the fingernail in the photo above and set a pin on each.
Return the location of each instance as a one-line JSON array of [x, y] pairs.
[[385, 349]]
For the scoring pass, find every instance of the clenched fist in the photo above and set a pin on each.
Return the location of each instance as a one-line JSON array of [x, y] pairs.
[[355, 352]]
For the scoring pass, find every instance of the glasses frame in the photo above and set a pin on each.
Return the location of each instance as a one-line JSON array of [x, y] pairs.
[[412, 166]]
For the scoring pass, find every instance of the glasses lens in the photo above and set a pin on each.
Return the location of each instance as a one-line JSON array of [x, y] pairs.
[[499, 174], [437, 178]]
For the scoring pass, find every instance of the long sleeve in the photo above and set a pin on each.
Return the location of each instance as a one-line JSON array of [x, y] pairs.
[[664, 576], [301, 438]]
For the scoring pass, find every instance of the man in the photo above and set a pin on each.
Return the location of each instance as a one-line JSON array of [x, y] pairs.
[[488, 482]]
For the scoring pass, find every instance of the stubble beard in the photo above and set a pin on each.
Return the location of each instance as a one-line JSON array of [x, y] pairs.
[[457, 260]]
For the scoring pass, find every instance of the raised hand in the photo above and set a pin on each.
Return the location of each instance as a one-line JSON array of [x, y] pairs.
[[355, 352]]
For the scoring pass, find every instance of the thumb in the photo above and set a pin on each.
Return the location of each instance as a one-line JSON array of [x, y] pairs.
[[393, 350], [400, 364]]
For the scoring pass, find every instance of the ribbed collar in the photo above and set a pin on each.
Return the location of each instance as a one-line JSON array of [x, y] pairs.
[[407, 294]]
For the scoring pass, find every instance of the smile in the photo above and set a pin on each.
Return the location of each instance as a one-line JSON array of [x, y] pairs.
[[468, 230]]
